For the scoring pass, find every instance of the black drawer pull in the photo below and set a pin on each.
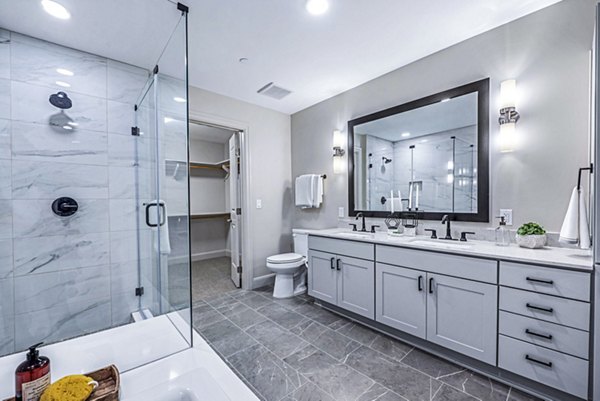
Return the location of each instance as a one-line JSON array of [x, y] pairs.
[[338, 264], [540, 308], [431, 285], [533, 333], [530, 359], [420, 283], [332, 263], [539, 280]]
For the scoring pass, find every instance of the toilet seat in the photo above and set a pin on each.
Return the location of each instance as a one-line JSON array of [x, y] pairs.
[[285, 258]]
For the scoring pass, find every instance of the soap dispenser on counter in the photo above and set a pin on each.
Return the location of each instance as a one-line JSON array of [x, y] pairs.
[[502, 233], [32, 376]]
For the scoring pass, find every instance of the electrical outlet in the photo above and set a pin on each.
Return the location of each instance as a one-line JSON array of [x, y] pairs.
[[259, 203], [507, 213], [341, 212]]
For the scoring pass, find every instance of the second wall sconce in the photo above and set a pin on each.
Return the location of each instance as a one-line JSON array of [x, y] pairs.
[[508, 116], [338, 152]]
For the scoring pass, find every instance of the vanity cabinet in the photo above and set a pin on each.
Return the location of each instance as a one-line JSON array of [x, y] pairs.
[[342, 280], [401, 299], [462, 316]]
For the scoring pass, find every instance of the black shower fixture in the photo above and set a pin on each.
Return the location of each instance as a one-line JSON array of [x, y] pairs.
[[386, 160], [61, 100]]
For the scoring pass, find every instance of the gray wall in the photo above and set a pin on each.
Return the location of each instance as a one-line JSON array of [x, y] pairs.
[[268, 141], [547, 52]]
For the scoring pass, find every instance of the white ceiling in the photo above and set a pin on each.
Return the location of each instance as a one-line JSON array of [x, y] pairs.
[[316, 57], [458, 112]]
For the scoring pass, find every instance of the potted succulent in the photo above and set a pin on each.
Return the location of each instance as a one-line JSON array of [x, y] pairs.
[[531, 235]]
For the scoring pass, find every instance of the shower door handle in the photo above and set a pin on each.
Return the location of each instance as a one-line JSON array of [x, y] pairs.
[[161, 213]]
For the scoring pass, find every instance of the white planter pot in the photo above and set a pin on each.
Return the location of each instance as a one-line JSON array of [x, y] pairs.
[[531, 241]]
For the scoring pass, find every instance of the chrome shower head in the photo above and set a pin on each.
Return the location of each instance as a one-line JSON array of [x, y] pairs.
[[61, 100]]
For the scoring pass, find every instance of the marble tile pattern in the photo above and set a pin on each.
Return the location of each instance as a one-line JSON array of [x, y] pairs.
[[72, 275], [317, 355]]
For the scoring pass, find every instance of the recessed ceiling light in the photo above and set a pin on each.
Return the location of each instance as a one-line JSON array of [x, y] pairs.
[[55, 9], [63, 84], [405, 134], [317, 7], [179, 99], [65, 72]]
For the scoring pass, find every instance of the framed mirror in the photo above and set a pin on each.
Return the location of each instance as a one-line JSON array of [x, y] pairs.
[[430, 155]]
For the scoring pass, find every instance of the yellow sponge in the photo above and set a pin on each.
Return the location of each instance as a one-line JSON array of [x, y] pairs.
[[70, 388]]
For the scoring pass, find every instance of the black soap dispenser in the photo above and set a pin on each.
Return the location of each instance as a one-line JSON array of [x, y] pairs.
[[32, 376]]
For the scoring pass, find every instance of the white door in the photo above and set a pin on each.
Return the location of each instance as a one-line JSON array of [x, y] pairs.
[[235, 219]]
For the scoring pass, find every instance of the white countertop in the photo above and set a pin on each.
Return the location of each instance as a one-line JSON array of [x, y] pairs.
[[549, 256]]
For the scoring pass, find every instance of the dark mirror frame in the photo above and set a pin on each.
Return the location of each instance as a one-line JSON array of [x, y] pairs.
[[482, 88]]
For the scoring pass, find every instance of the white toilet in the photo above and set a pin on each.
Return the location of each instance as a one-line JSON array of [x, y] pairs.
[[290, 268]]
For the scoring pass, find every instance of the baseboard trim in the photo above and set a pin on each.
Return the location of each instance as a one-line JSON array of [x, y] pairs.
[[209, 255], [261, 281]]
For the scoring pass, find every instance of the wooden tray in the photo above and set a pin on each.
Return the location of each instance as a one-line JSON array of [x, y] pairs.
[[108, 379]]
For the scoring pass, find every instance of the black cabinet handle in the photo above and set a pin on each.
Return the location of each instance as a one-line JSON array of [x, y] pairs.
[[539, 280], [420, 283], [431, 285], [530, 359], [533, 333], [332, 263], [540, 308], [337, 265]]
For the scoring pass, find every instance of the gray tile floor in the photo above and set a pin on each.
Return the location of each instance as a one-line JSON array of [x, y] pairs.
[[211, 277], [293, 350]]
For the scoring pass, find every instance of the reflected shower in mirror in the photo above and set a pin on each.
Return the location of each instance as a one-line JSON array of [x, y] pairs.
[[424, 156]]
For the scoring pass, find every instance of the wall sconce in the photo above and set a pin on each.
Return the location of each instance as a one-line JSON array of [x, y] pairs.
[[508, 115], [338, 152]]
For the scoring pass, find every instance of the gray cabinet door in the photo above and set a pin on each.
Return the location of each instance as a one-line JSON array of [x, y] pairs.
[[401, 298], [462, 316], [322, 276], [356, 286]]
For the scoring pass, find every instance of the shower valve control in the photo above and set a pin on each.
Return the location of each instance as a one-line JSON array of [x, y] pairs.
[[65, 206]]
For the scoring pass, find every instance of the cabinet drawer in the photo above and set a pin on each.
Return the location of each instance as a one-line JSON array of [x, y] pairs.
[[452, 265], [554, 369], [564, 283], [559, 338], [566, 312], [355, 249]]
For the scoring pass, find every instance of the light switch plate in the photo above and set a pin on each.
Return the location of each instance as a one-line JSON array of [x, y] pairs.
[[259, 203], [341, 212], [507, 213]]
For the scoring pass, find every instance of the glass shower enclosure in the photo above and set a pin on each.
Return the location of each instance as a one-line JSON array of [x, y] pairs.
[[94, 196]]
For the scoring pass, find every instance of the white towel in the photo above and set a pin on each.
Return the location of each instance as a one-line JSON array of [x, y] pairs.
[[163, 231], [304, 191], [584, 228], [318, 193], [569, 232], [575, 228]]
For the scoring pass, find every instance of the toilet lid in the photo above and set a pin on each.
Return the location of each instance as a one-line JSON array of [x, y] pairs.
[[285, 258]]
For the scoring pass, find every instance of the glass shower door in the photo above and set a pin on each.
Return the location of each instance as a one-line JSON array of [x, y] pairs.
[[164, 286]]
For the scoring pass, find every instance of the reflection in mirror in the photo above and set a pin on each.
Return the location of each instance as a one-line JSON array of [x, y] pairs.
[[423, 157]]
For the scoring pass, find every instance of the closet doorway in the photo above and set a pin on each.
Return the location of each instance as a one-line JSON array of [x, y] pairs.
[[216, 208]]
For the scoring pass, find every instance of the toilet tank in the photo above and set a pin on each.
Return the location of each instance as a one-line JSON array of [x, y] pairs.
[[300, 242]]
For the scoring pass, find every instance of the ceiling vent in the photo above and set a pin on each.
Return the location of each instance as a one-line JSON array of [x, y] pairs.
[[274, 91]]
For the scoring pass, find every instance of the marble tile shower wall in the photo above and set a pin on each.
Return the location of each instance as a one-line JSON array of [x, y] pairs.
[[380, 175], [431, 156], [65, 276]]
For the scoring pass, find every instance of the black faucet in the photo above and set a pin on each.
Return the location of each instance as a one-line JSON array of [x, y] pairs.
[[364, 227], [446, 219]]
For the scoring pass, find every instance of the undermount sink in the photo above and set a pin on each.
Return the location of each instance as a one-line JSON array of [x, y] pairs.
[[354, 234], [442, 244]]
